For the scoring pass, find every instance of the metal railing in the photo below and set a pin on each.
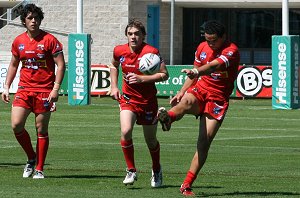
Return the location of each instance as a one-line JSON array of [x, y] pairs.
[[14, 12]]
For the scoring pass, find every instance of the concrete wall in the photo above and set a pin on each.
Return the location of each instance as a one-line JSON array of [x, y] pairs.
[[138, 9], [104, 20]]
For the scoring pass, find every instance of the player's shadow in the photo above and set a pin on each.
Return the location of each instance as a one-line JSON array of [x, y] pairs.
[[246, 194], [194, 187], [5, 165], [84, 176], [197, 189]]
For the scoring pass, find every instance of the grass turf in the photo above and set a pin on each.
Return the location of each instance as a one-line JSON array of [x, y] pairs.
[[256, 153]]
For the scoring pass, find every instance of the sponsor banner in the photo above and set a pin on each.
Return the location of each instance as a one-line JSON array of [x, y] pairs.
[[285, 66], [100, 80], [79, 69], [254, 81], [64, 84], [173, 85], [3, 73]]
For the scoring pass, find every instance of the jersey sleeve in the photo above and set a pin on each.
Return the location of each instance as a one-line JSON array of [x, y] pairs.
[[54, 45], [14, 48], [197, 60], [116, 55], [229, 55]]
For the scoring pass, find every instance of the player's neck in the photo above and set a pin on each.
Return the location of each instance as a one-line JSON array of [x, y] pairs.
[[135, 49], [33, 34]]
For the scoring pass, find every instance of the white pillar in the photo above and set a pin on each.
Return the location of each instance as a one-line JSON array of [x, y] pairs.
[[285, 17], [79, 16], [172, 33], [8, 15]]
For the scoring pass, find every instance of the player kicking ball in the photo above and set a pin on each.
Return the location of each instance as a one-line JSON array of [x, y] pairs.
[[216, 61]]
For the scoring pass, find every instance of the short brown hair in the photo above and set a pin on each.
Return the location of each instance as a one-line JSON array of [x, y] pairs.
[[137, 24]]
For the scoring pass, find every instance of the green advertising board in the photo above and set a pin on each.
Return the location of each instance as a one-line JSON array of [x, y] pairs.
[[173, 85], [79, 71], [64, 84], [285, 65]]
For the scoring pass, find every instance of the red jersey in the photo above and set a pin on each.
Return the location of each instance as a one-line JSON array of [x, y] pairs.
[[38, 67], [221, 82], [142, 93]]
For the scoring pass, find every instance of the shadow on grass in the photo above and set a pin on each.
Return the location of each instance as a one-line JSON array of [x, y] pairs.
[[237, 193], [202, 187], [11, 164], [7, 165], [252, 194], [84, 176]]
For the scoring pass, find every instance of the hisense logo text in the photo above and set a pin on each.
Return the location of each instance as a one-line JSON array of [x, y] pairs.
[[78, 86], [295, 88], [281, 89]]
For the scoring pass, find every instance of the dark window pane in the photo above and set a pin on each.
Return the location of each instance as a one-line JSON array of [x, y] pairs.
[[250, 29]]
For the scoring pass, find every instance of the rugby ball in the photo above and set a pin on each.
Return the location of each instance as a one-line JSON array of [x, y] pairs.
[[149, 64]]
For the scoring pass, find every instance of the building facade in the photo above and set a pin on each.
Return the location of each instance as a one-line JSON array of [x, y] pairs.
[[250, 24]]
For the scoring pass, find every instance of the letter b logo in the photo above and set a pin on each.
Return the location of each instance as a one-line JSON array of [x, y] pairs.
[[100, 80]]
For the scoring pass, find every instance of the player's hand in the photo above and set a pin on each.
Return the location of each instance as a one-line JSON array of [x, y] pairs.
[[134, 78], [53, 96], [115, 94], [176, 99], [5, 95], [191, 73]]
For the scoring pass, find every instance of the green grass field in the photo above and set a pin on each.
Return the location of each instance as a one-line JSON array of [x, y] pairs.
[[256, 153]]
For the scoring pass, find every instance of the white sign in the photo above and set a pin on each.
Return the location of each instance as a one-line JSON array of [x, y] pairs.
[[3, 74]]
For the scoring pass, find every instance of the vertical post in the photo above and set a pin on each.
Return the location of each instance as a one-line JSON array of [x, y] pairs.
[[79, 70], [172, 33], [285, 18], [79, 16], [8, 15], [285, 67]]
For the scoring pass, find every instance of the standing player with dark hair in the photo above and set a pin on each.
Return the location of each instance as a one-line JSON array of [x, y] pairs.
[[138, 102], [216, 61], [38, 52]]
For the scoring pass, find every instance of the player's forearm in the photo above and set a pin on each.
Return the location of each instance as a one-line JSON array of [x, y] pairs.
[[187, 84], [11, 73], [114, 73]]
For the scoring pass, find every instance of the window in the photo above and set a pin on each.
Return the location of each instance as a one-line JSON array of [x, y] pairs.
[[250, 29]]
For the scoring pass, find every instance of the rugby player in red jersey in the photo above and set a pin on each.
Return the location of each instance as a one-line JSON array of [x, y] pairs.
[[38, 52], [138, 101], [205, 93]]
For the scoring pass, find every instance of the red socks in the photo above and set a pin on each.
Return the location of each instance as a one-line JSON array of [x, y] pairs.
[[128, 151], [190, 178], [41, 147], [155, 155], [24, 140], [172, 116], [41, 150]]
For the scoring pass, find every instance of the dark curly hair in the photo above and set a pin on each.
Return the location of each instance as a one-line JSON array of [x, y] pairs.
[[214, 27], [31, 8]]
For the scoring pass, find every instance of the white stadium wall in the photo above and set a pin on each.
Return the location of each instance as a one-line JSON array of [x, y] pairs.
[[104, 20]]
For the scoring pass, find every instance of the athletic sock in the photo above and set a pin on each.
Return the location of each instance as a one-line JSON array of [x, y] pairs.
[[24, 140], [41, 150], [172, 116], [155, 155], [128, 151], [190, 178]]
